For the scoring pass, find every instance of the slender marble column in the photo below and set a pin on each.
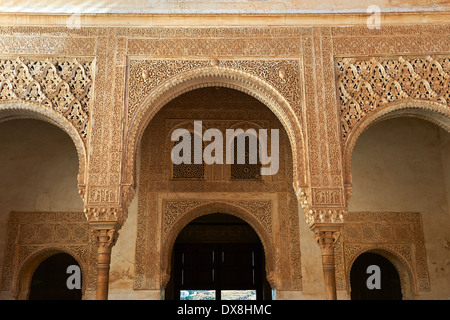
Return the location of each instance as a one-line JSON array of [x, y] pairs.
[[326, 240], [105, 236]]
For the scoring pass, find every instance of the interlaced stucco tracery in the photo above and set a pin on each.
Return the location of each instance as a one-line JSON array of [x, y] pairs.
[[378, 88], [57, 90]]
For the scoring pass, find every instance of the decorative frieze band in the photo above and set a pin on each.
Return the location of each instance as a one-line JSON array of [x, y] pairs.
[[176, 209]]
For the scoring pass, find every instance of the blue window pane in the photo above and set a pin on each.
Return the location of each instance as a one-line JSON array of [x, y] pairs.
[[197, 294]]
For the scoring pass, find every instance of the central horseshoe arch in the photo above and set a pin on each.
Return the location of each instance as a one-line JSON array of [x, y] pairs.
[[210, 77]]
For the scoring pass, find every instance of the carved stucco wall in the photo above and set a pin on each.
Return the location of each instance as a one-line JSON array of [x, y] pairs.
[[33, 236], [317, 117], [313, 108], [399, 234], [110, 48], [166, 205]]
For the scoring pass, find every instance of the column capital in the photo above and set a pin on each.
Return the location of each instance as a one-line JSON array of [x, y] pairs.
[[104, 234], [322, 205], [326, 236], [104, 213]]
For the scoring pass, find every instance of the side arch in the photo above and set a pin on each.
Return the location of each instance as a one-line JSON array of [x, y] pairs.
[[434, 112], [222, 207], [24, 276], [210, 77], [32, 110], [404, 269]]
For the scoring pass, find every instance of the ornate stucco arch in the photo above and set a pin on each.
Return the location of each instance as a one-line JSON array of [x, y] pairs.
[[26, 270], [32, 110], [213, 207], [434, 112], [208, 77], [408, 281]]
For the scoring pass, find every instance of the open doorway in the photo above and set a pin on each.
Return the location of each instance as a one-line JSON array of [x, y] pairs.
[[218, 257], [389, 280], [49, 281]]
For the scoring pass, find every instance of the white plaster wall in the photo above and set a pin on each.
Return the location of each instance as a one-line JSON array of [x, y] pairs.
[[313, 287], [403, 165], [38, 171], [121, 278]]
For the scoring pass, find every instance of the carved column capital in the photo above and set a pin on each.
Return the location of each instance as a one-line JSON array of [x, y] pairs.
[[322, 216], [322, 205], [104, 234], [326, 238]]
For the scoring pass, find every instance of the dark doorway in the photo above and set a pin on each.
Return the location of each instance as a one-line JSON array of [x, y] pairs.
[[49, 281], [218, 257], [389, 281]]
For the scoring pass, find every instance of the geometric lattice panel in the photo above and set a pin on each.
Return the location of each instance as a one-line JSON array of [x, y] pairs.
[[60, 84], [365, 84], [188, 171]]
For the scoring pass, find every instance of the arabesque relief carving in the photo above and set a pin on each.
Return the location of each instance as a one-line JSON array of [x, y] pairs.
[[398, 233], [166, 204], [365, 85], [267, 80], [60, 84], [321, 82], [30, 233]]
